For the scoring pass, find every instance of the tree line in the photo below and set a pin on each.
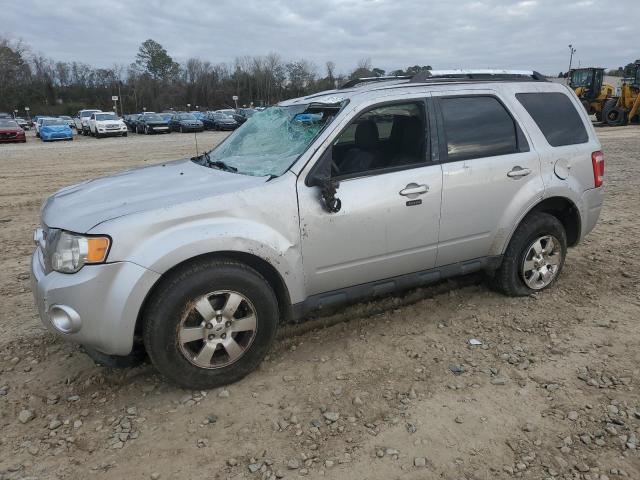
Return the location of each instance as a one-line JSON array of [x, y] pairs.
[[155, 81]]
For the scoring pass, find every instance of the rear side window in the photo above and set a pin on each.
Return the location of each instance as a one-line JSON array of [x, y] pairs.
[[476, 127], [556, 117]]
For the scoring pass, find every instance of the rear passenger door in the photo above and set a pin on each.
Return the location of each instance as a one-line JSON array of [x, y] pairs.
[[490, 174]]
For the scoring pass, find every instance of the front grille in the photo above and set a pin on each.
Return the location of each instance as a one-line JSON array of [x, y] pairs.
[[8, 135]]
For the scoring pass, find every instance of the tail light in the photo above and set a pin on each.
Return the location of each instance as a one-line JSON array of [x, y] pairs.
[[597, 159]]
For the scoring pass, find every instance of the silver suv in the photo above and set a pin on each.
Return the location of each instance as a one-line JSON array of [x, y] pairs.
[[381, 185]]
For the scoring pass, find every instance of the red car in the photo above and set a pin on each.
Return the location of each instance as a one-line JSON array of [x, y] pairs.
[[10, 131]]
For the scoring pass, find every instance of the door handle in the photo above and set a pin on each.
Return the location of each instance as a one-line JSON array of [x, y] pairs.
[[413, 190], [518, 171]]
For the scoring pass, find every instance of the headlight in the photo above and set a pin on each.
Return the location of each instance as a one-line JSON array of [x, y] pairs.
[[71, 252]]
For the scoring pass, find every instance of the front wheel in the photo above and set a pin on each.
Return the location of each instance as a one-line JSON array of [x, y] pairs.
[[534, 258], [210, 323]]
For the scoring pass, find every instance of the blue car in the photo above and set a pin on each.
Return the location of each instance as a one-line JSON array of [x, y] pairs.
[[55, 129]]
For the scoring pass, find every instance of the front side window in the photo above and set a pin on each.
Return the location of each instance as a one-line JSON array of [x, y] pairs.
[[269, 142], [477, 127], [390, 136], [556, 117]]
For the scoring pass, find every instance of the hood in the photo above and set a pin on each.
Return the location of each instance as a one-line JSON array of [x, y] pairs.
[[54, 128], [10, 130], [80, 207]]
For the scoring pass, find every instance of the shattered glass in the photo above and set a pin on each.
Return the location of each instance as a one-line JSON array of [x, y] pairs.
[[269, 142]]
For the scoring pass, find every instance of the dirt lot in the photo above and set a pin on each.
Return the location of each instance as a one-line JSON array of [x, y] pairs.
[[551, 393]]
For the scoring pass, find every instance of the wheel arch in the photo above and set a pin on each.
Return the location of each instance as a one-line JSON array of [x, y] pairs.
[[262, 266], [564, 210]]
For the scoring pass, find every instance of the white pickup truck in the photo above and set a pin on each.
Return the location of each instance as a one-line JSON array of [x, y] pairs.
[[81, 121]]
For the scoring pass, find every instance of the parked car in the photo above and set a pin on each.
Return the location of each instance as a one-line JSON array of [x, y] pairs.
[[376, 187], [81, 120], [219, 121], [10, 131], [152, 123], [55, 129], [185, 122], [106, 124], [38, 124], [4, 115], [241, 115], [23, 123], [131, 121], [68, 119], [226, 111]]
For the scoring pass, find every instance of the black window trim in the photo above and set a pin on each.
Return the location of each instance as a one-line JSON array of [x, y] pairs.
[[442, 147], [423, 103]]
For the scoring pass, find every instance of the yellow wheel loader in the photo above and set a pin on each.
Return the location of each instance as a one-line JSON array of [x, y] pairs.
[[625, 108], [590, 89]]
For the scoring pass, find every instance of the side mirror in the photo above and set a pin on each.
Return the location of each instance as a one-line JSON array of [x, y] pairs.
[[321, 177]]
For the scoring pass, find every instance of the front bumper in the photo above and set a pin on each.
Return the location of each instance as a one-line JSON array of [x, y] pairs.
[[107, 298], [112, 132], [16, 138], [192, 128], [46, 137], [159, 128]]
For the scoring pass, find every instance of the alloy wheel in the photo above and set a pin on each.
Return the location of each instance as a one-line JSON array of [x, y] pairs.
[[217, 329], [542, 262]]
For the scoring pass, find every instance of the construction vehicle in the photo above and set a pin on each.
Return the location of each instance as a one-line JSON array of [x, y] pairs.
[[590, 89], [625, 108]]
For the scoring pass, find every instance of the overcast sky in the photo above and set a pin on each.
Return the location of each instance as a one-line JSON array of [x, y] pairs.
[[531, 34]]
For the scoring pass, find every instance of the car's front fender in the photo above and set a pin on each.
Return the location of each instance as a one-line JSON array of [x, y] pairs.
[[262, 222]]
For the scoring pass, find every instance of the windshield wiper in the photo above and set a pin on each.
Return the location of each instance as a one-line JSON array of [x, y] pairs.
[[217, 163]]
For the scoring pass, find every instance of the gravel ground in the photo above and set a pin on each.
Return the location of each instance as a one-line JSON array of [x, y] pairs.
[[383, 390]]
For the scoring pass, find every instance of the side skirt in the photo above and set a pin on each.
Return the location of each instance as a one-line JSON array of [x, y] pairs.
[[379, 288]]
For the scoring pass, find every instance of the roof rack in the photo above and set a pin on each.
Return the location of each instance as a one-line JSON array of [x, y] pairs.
[[470, 75], [357, 81]]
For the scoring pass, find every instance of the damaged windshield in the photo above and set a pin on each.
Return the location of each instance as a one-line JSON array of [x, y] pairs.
[[269, 142]]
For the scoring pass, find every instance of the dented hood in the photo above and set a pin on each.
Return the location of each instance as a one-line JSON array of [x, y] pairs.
[[80, 207]]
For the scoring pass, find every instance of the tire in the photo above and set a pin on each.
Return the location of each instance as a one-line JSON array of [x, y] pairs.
[[612, 115], [599, 116], [172, 306], [96, 134], [511, 278], [124, 134]]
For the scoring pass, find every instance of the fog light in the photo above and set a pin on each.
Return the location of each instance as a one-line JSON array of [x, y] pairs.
[[65, 319]]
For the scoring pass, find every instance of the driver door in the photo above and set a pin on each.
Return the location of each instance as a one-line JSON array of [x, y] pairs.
[[390, 202]]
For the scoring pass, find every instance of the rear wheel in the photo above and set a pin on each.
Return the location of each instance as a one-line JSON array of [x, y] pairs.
[[210, 323], [613, 115], [534, 258]]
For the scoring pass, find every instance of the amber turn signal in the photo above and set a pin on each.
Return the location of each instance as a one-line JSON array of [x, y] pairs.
[[97, 249]]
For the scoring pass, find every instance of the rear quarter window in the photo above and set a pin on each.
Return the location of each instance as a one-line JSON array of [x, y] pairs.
[[556, 117]]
